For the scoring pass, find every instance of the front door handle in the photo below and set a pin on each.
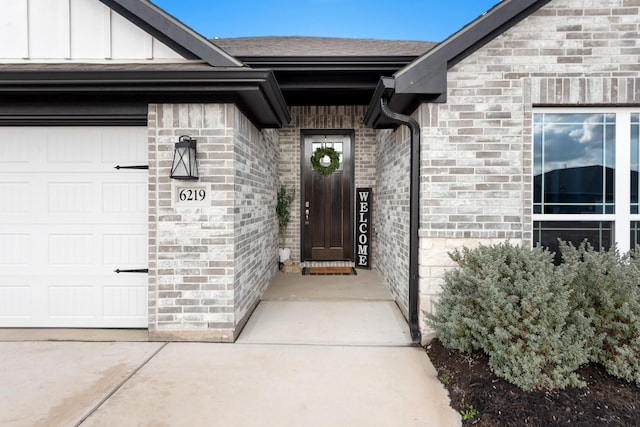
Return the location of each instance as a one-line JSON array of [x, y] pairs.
[[306, 212]]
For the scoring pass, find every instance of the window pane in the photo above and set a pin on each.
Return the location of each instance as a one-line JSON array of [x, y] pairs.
[[635, 234], [574, 163], [635, 160], [547, 233], [336, 145]]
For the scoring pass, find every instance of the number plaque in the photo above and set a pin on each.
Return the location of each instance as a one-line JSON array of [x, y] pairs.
[[191, 195]]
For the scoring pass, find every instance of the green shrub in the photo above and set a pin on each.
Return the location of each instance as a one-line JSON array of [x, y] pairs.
[[459, 311], [515, 305], [537, 322], [606, 291]]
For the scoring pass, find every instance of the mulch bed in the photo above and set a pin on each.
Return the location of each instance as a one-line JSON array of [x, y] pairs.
[[606, 401]]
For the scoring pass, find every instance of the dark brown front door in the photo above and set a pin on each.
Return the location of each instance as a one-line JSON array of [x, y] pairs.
[[327, 218]]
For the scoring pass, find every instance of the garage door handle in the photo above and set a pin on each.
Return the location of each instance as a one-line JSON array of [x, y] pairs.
[[132, 167], [136, 270]]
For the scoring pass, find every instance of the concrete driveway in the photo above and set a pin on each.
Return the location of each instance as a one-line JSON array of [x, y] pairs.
[[198, 384], [299, 362], [60, 383]]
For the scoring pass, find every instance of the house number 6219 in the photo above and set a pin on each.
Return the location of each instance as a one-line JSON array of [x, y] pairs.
[[192, 195]]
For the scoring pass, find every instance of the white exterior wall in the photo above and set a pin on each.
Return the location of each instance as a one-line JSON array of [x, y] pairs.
[[208, 265], [477, 147], [74, 31], [256, 225], [391, 212]]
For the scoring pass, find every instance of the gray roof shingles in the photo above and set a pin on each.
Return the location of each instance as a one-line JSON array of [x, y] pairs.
[[295, 46]]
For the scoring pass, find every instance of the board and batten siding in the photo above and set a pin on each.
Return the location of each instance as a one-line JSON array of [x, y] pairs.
[[73, 31]]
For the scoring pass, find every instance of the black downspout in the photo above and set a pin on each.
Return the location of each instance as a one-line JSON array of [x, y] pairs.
[[414, 219]]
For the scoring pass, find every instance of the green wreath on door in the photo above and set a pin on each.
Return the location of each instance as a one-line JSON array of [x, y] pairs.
[[320, 154]]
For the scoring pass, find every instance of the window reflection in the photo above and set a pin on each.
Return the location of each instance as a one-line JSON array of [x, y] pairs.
[[574, 163], [635, 160], [635, 234]]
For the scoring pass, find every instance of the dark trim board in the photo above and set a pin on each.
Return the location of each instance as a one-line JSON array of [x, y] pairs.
[[34, 113], [329, 80], [419, 76], [255, 92]]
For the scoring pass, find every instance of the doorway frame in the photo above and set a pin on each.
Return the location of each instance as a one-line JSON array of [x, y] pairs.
[[352, 163]]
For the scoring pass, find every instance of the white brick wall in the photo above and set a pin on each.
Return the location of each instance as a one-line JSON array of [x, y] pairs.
[[204, 274], [391, 212], [476, 148], [255, 228]]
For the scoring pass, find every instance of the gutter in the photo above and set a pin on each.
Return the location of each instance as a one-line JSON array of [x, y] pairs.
[[255, 92], [414, 216]]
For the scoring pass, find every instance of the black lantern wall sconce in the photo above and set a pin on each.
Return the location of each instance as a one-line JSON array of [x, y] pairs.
[[184, 159]]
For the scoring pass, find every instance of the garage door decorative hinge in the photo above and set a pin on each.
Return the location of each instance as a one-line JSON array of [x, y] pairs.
[[132, 167], [135, 270]]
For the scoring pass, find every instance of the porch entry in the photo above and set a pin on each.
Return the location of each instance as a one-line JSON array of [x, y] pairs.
[[327, 201]]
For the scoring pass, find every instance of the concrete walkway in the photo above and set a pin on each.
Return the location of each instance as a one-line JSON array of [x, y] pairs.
[[285, 370]]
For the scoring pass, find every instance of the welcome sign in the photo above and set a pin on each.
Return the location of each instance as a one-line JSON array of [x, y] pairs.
[[363, 227]]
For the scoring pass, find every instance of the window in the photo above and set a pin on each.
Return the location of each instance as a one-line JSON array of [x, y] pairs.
[[585, 177], [635, 161]]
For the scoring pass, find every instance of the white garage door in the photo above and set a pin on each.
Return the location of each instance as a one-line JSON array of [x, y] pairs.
[[68, 219]]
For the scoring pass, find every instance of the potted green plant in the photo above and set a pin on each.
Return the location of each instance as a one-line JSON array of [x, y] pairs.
[[283, 210]]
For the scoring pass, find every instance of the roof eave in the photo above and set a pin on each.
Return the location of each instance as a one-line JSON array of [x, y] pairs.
[[463, 43], [255, 92], [426, 77], [385, 88], [397, 102], [328, 80]]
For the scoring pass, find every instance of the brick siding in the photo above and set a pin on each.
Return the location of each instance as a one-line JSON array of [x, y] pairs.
[[477, 147], [255, 228], [204, 274], [391, 212]]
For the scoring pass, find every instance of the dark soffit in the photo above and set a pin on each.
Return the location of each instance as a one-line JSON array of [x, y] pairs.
[[325, 70], [328, 80]]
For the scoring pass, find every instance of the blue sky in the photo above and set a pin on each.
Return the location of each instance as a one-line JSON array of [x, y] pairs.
[[427, 20]]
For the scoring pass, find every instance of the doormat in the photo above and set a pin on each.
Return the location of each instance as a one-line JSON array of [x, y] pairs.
[[328, 271]]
